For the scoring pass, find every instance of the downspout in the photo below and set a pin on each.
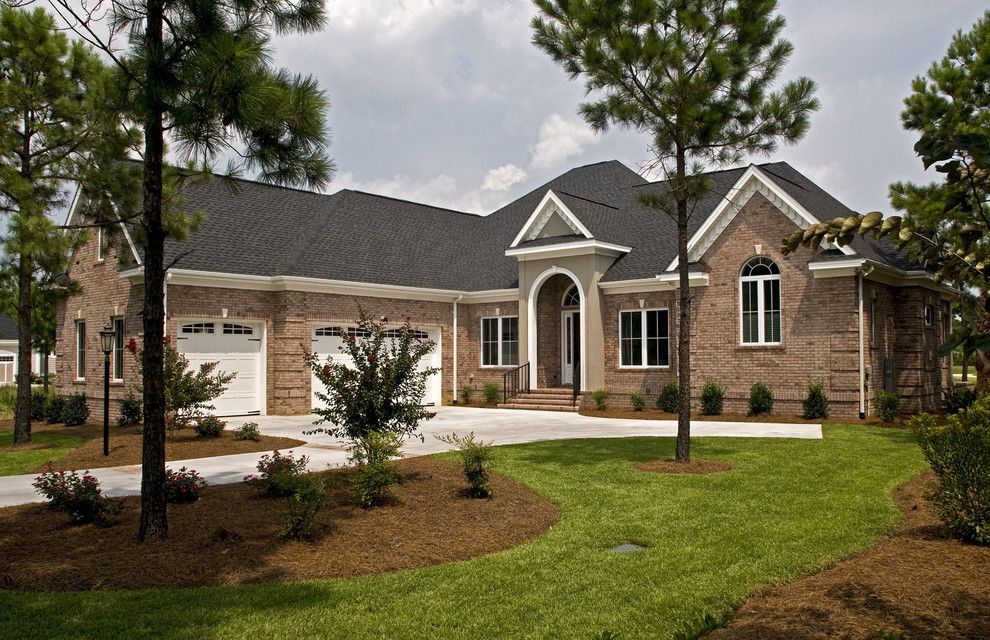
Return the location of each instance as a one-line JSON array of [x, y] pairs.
[[168, 276], [865, 270], [862, 356], [453, 386]]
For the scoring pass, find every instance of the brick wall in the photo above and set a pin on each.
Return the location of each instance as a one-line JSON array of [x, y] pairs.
[[470, 373]]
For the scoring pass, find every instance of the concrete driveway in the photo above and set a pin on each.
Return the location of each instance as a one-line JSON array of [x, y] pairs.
[[501, 426]]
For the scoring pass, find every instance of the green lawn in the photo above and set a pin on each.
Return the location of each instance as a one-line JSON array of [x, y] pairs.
[[16, 462], [788, 507]]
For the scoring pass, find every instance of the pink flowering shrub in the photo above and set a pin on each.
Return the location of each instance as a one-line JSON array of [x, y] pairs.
[[278, 473], [183, 485], [78, 496]]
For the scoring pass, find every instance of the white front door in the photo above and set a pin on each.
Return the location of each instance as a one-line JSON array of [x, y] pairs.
[[237, 347], [570, 345]]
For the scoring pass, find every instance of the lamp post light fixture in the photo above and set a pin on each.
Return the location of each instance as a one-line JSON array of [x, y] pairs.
[[107, 335]]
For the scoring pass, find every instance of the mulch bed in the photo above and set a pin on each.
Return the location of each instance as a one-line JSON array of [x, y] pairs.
[[918, 582], [694, 467], [231, 536], [125, 446]]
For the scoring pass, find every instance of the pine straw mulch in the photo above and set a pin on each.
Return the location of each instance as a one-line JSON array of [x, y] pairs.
[[918, 582], [125, 446], [231, 535], [694, 467]]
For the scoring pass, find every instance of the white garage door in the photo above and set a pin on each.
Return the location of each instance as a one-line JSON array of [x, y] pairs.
[[327, 341], [237, 347]]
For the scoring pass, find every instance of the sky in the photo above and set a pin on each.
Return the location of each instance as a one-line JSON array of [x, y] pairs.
[[447, 102]]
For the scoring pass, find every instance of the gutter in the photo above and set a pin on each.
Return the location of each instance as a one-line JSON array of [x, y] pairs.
[[453, 387], [865, 270]]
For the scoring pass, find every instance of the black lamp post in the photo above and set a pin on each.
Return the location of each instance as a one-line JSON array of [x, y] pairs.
[[107, 335]]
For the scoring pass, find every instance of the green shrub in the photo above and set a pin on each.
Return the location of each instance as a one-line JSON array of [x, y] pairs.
[[53, 409], [669, 397], [492, 393], [183, 485], [959, 399], [476, 456], [600, 397], [886, 405], [815, 405], [466, 393], [76, 411], [959, 454], [303, 505], [39, 403], [78, 496], [8, 401], [278, 473], [375, 473], [210, 427], [131, 411], [248, 431], [760, 399], [712, 398], [638, 401]]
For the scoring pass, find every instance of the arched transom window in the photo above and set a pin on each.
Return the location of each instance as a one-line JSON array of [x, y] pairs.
[[760, 292], [571, 298]]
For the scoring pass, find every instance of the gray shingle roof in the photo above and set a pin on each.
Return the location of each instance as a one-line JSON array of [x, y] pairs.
[[257, 229], [8, 327]]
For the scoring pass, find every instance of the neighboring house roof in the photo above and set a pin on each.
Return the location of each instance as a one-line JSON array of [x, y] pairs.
[[257, 229], [8, 327]]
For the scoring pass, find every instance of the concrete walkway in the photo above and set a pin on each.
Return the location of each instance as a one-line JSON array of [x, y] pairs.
[[501, 426]]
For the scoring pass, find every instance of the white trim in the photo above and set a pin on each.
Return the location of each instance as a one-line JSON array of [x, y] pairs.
[[660, 282], [80, 349], [862, 356], [123, 347], [192, 277], [754, 180], [563, 249], [534, 291], [539, 218], [567, 368], [878, 272], [100, 237], [498, 341], [643, 347]]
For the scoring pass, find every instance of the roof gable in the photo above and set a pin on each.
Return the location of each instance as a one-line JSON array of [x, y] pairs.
[[550, 219]]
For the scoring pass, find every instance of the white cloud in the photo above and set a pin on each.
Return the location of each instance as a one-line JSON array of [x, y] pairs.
[[501, 178], [559, 139]]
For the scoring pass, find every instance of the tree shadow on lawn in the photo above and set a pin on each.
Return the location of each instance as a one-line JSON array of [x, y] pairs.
[[597, 451]]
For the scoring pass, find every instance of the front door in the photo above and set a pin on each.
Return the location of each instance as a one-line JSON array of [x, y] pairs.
[[570, 345]]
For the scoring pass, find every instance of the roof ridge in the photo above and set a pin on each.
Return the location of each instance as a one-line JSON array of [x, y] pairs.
[[574, 195], [419, 204]]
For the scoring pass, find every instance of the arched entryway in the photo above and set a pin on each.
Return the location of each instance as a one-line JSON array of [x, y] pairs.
[[556, 330]]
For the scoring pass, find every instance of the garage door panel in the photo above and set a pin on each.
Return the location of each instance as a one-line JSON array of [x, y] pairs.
[[327, 342], [237, 349]]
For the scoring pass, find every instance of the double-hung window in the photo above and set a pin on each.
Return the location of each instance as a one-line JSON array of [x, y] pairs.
[[118, 349], [760, 292], [644, 338], [500, 342], [80, 349]]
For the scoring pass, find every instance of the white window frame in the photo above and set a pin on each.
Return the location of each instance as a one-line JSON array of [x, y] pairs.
[[761, 307], [99, 243], [499, 342], [80, 350], [644, 349], [117, 354], [929, 315]]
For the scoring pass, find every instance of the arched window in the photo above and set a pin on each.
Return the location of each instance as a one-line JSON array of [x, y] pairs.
[[759, 286], [571, 298]]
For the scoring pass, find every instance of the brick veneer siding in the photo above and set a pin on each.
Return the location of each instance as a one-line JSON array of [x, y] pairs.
[[104, 294], [470, 373]]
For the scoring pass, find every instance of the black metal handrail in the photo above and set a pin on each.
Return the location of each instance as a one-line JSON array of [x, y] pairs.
[[515, 382], [576, 382]]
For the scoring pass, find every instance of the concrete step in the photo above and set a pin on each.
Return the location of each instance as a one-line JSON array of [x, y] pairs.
[[538, 407], [550, 397], [556, 391]]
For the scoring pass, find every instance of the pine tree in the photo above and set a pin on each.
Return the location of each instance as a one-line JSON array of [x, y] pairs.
[[697, 77], [199, 73], [54, 128]]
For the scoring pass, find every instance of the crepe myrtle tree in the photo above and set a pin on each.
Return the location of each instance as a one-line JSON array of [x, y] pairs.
[[381, 389], [945, 224], [698, 77]]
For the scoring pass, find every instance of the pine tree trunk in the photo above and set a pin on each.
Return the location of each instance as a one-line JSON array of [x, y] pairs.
[[154, 520], [22, 408], [683, 450], [982, 364]]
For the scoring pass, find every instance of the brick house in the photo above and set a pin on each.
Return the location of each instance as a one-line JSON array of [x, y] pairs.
[[575, 279]]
